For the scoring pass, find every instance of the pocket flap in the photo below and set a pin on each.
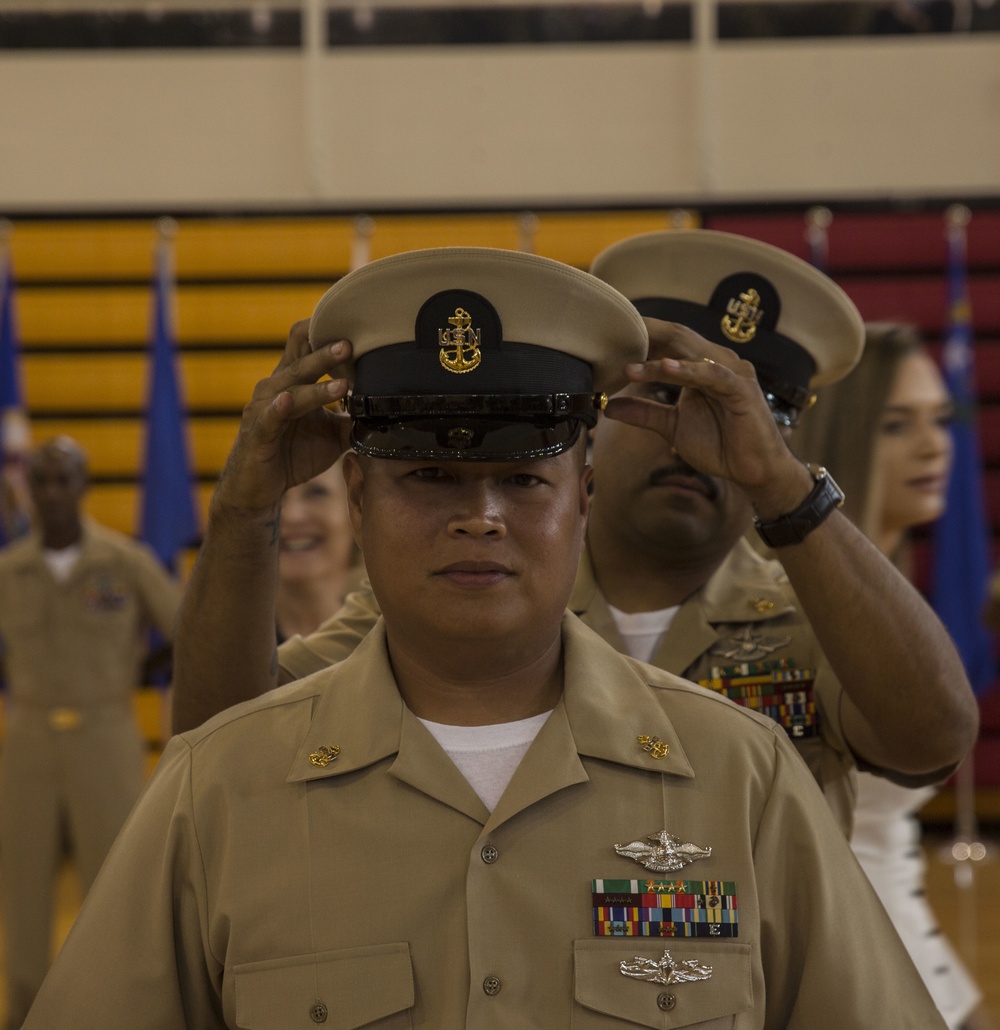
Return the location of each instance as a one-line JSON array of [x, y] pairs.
[[335, 990], [600, 984]]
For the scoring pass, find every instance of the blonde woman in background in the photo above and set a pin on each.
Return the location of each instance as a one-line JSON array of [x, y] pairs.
[[884, 434], [318, 562]]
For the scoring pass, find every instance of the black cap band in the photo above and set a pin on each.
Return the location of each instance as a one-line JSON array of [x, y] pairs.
[[404, 368]]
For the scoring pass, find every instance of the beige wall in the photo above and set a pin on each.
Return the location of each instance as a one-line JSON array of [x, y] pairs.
[[663, 123]]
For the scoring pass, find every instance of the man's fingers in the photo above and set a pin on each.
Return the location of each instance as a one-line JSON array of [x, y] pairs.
[[645, 414], [296, 344], [703, 373], [297, 401], [673, 340], [306, 367]]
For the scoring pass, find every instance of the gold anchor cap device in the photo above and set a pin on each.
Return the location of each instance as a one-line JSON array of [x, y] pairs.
[[796, 326], [476, 354]]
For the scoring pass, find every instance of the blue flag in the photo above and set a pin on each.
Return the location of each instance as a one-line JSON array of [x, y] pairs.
[[169, 519], [15, 433], [961, 560]]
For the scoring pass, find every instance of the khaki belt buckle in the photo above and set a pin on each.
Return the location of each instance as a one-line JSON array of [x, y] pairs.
[[62, 719]]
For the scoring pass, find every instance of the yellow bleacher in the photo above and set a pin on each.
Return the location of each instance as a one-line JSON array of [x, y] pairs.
[[84, 307]]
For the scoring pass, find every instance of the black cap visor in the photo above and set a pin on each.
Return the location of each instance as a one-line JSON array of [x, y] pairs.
[[465, 439]]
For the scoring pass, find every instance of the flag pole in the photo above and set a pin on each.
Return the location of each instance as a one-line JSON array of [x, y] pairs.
[[818, 221], [169, 521], [15, 431], [966, 850], [361, 241], [527, 231], [166, 229]]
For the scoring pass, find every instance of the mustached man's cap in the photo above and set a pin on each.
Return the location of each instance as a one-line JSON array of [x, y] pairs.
[[798, 327], [475, 354]]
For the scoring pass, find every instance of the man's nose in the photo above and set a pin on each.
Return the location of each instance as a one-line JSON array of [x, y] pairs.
[[478, 512]]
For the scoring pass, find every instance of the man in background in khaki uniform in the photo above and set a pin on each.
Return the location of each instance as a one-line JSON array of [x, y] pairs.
[[76, 600], [486, 816], [667, 575]]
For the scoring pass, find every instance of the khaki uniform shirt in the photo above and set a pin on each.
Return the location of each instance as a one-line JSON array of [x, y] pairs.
[[743, 632], [313, 857], [80, 643], [73, 756]]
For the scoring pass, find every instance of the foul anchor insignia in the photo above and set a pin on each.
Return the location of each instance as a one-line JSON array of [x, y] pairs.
[[747, 646], [324, 755], [665, 970], [460, 345], [666, 855], [742, 317]]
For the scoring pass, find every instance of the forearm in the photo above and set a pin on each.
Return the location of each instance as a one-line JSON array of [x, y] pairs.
[[224, 651], [908, 703], [334, 640]]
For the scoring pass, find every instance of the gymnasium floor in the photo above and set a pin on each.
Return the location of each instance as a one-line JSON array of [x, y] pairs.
[[970, 917]]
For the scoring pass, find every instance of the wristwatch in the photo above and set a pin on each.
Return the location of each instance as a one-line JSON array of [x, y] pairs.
[[794, 527]]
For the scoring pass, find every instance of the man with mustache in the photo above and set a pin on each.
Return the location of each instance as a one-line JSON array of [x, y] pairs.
[[667, 575]]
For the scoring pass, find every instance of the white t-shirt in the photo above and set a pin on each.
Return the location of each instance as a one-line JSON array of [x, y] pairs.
[[488, 755], [642, 632], [61, 561]]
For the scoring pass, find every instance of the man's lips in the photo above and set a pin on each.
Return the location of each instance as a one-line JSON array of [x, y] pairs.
[[683, 477], [475, 573]]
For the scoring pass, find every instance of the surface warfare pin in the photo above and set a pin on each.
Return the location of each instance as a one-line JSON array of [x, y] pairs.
[[747, 646], [664, 970], [666, 854]]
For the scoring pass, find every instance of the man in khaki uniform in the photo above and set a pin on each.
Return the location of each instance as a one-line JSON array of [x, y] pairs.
[[711, 634], [76, 600], [486, 816], [667, 575]]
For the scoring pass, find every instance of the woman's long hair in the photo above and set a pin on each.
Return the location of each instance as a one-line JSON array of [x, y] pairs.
[[841, 430]]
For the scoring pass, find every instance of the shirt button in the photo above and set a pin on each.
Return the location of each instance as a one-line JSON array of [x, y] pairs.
[[492, 985], [665, 1002], [318, 1012], [489, 854]]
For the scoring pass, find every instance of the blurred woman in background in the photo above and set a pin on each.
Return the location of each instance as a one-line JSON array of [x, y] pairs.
[[883, 432], [318, 562]]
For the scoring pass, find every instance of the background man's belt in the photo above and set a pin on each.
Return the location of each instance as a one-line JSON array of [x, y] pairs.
[[65, 718]]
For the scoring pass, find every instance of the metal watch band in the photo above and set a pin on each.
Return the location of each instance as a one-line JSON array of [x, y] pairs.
[[794, 527]]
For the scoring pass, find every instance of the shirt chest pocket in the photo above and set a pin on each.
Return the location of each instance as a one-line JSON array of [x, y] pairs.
[[335, 990], [606, 997], [25, 609]]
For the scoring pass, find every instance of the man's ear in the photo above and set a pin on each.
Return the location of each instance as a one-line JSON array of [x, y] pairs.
[[354, 477], [586, 489]]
